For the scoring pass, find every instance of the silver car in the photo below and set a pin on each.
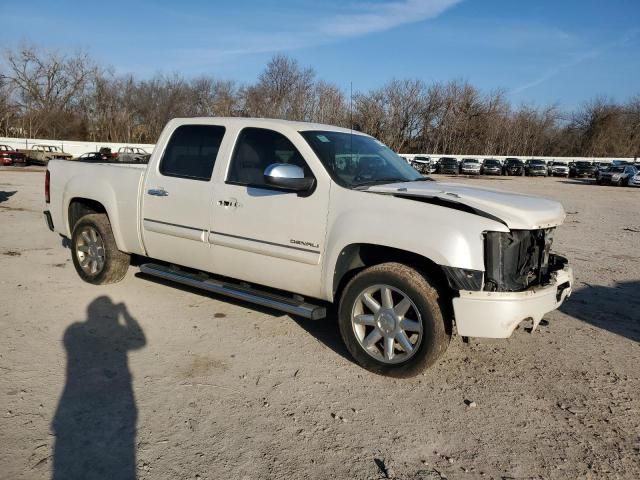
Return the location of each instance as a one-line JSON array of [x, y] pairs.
[[470, 166], [619, 175], [559, 169]]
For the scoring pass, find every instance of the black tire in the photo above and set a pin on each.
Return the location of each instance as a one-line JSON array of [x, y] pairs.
[[433, 309], [115, 262]]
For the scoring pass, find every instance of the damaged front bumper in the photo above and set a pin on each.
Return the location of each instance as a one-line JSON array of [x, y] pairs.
[[497, 314]]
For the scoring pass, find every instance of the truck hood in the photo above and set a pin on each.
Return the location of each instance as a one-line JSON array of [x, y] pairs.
[[516, 211]]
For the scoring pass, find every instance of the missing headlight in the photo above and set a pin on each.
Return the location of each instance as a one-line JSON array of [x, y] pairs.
[[517, 260]]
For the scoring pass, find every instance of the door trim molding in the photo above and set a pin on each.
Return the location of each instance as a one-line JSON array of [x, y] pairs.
[[264, 247], [175, 230], [264, 242]]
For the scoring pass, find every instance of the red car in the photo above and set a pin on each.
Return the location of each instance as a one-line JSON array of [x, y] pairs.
[[9, 156]]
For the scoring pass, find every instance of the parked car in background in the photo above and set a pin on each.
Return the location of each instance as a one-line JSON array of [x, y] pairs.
[[94, 157], [635, 180], [41, 154], [9, 156], [558, 168], [132, 155], [600, 167], [535, 168], [470, 166], [422, 164], [513, 166], [582, 168], [448, 165], [491, 166], [619, 175]]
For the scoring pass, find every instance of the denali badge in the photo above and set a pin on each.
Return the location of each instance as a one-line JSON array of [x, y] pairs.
[[306, 244]]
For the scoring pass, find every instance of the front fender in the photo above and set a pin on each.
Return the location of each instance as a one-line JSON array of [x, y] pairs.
[[446, 236]]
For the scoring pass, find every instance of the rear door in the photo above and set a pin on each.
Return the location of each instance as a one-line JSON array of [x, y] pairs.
[[178, 194]]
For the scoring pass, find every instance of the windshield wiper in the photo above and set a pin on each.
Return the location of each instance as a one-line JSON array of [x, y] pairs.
[[379, 181], [382, 181]]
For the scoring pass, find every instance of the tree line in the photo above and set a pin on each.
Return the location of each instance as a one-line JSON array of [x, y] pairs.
[[69, 96]]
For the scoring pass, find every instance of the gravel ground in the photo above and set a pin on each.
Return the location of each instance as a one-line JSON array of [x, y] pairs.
[[141, 379]]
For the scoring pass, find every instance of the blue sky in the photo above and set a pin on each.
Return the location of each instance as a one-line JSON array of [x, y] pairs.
[[540, 51]]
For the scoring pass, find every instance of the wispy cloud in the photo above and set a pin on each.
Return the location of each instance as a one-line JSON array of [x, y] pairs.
[[578, 59], [361, 19], [380, 17]]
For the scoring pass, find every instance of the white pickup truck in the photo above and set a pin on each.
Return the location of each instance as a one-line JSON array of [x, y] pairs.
[[298, 216]]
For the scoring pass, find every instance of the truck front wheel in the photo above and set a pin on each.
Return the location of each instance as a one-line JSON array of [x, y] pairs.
[[391, 320], [95, 253]]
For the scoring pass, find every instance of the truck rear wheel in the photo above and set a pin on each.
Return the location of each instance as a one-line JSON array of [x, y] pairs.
[[391, 320], [95, 253]]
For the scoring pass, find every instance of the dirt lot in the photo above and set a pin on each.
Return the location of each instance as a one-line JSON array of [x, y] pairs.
[[187, 385]]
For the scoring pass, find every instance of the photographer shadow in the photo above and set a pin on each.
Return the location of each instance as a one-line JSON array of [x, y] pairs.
[[95, 422]]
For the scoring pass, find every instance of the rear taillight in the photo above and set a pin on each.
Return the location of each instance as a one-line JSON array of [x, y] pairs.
[[47, 181]]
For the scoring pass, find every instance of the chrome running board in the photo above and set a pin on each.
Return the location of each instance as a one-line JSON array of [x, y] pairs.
[[237, 291]]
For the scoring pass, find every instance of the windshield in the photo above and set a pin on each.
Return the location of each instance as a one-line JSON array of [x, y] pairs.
[[355, 160], [492, 163], [514, 162], [537, 162], [559, 164], [448, 161], [583, 164], [470, 160], [616, 169]]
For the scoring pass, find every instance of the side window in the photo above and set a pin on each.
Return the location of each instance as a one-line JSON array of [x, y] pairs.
[[255, 150], [192, 151]]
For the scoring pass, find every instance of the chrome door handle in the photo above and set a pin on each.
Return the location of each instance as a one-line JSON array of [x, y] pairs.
[[158, 192]]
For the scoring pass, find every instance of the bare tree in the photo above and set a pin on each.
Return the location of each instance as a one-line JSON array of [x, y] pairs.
[[283, 90], [48, 86], [69, 96]]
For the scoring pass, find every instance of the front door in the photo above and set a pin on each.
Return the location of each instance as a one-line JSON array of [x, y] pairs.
[[178, 197], [262, 234]]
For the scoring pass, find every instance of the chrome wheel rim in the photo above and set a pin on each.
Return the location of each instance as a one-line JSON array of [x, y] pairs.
[[90, 251], [387, 324]]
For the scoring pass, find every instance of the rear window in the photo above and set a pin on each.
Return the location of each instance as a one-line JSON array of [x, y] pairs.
[[192, 151]]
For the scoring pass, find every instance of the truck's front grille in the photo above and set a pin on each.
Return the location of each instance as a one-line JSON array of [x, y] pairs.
[[517, 260]]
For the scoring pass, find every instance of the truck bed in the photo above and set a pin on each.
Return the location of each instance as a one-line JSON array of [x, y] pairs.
[[117, 186]]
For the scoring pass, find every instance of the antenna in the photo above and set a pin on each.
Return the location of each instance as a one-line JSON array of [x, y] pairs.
[[351, 119], [351, 105]]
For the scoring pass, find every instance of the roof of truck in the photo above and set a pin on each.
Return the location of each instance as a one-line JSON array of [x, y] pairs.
[[268, 122]]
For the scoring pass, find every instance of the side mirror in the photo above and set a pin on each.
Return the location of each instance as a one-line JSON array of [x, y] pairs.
[[287, 177]]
